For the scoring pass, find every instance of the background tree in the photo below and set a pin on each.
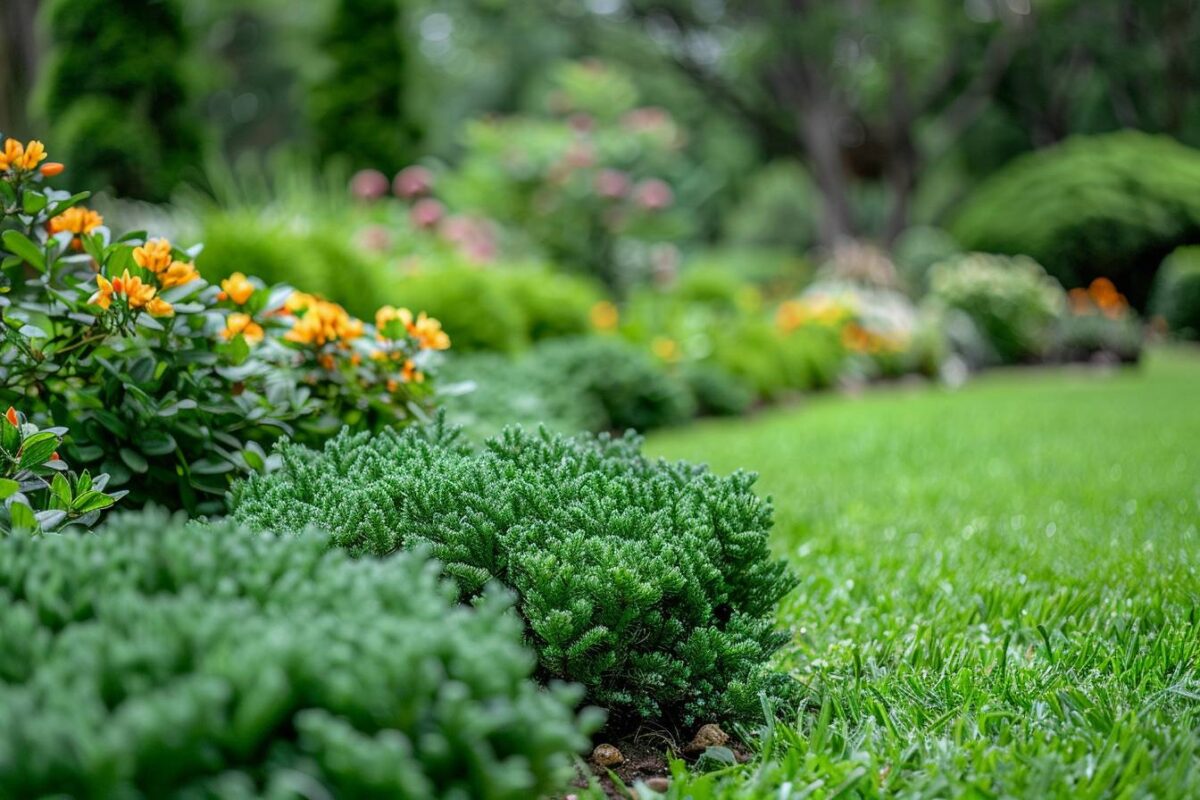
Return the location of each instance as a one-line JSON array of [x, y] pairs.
[[121, 110], [359, 109]]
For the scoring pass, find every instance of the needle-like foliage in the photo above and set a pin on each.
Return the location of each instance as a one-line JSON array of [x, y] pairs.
[[157, 660], [649, 582]]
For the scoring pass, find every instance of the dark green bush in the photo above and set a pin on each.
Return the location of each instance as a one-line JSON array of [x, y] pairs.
[[117, 87], [1111, 206], [649, 582], [771, 363], [633, 389], [157, 660], [553, 304], [717, 392], [1080, 337], [595, 383], [475, 308], [1177, 292], [358, 109]]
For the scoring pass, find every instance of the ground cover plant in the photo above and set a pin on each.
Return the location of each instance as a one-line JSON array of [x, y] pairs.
[[998, 592], [158, 659], [648, 582]]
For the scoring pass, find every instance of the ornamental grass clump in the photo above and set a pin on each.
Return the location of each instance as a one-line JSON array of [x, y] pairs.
[[162, 660], [648, 582]]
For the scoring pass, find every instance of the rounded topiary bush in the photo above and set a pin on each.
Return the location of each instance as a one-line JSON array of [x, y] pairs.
[[1177, 292], [1111, 206], [158, 660], [649, 582]]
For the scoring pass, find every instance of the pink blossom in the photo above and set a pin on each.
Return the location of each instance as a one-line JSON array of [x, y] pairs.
[[612, 184], [426, 212], [368, 184], [375, 238], [412, 181], [653, 194]]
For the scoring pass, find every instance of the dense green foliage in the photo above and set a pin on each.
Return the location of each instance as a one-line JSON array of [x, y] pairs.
[[359, 110], [1111, 206], [1013, 301], [999, 587], [1177, 292], [499, 309], [648, 582], [161, 660], [123, 109]]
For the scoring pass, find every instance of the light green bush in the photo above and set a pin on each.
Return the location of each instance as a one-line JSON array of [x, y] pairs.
[[158, 660], [651, 583], [1013, 301]]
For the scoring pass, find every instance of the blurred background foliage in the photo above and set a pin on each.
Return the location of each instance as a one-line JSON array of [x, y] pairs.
[[761, 197]]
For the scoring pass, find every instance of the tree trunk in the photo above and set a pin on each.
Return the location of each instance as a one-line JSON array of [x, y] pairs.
[[817, 126]]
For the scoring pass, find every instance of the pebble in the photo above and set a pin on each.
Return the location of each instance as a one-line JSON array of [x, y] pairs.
[[605, 755], [659, 785], [709, 735]]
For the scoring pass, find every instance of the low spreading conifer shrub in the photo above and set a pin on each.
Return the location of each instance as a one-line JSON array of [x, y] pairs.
[[158, 660], [648, 582]]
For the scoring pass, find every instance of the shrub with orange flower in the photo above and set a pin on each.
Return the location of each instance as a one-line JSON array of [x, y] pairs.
[[77, 220], [1101, 296]]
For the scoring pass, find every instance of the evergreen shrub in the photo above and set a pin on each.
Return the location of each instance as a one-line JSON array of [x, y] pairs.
[[650, 583], [161, 660]]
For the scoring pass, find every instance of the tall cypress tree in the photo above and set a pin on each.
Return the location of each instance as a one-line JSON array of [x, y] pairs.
[[359, 110], [116, 95]]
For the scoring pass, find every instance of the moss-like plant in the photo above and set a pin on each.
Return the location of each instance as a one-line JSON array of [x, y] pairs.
[[158, 660], [649, 582]]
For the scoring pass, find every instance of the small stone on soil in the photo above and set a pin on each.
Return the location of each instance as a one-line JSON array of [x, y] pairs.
[[605, 755], [709, 735], [658, 784]]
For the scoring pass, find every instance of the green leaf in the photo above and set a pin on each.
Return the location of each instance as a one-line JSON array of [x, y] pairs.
[[134, 460], [33, 202], [22, 516], [18, 243], [37, 449], [10, 436], [8, 487], [91, 501]]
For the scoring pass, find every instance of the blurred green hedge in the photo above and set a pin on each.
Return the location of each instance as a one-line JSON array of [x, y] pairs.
[[1111, 205]]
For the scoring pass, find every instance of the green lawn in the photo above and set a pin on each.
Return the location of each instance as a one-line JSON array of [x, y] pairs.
[[1000, 591]]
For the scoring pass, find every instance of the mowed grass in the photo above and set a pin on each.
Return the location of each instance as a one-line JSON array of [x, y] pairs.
[[1000, 594]]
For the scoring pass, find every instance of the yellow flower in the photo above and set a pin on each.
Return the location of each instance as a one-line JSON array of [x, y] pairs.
[[104, 293], [77, 220], [154, 255], [388, 314], [238, 288], [410, 374], [666, 349], [136, 293], [604, 316], [157, 307], [245, 325], [320, 322], [428, 333], [179, 273], [23, 157]]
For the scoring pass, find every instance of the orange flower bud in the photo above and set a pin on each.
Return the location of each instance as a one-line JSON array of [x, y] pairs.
[[11, 416], [51, 168]]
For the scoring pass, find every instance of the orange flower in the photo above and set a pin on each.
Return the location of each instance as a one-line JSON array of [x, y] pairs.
[[384, 318], [154, 255], [238, 288], [77, 220], [604, 316], [11, 414], [179, 273], [22, 157], [157, 307], [49, 170], [320, 322], [428, 333], [410, 374], [136, 293], [244, 324]]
